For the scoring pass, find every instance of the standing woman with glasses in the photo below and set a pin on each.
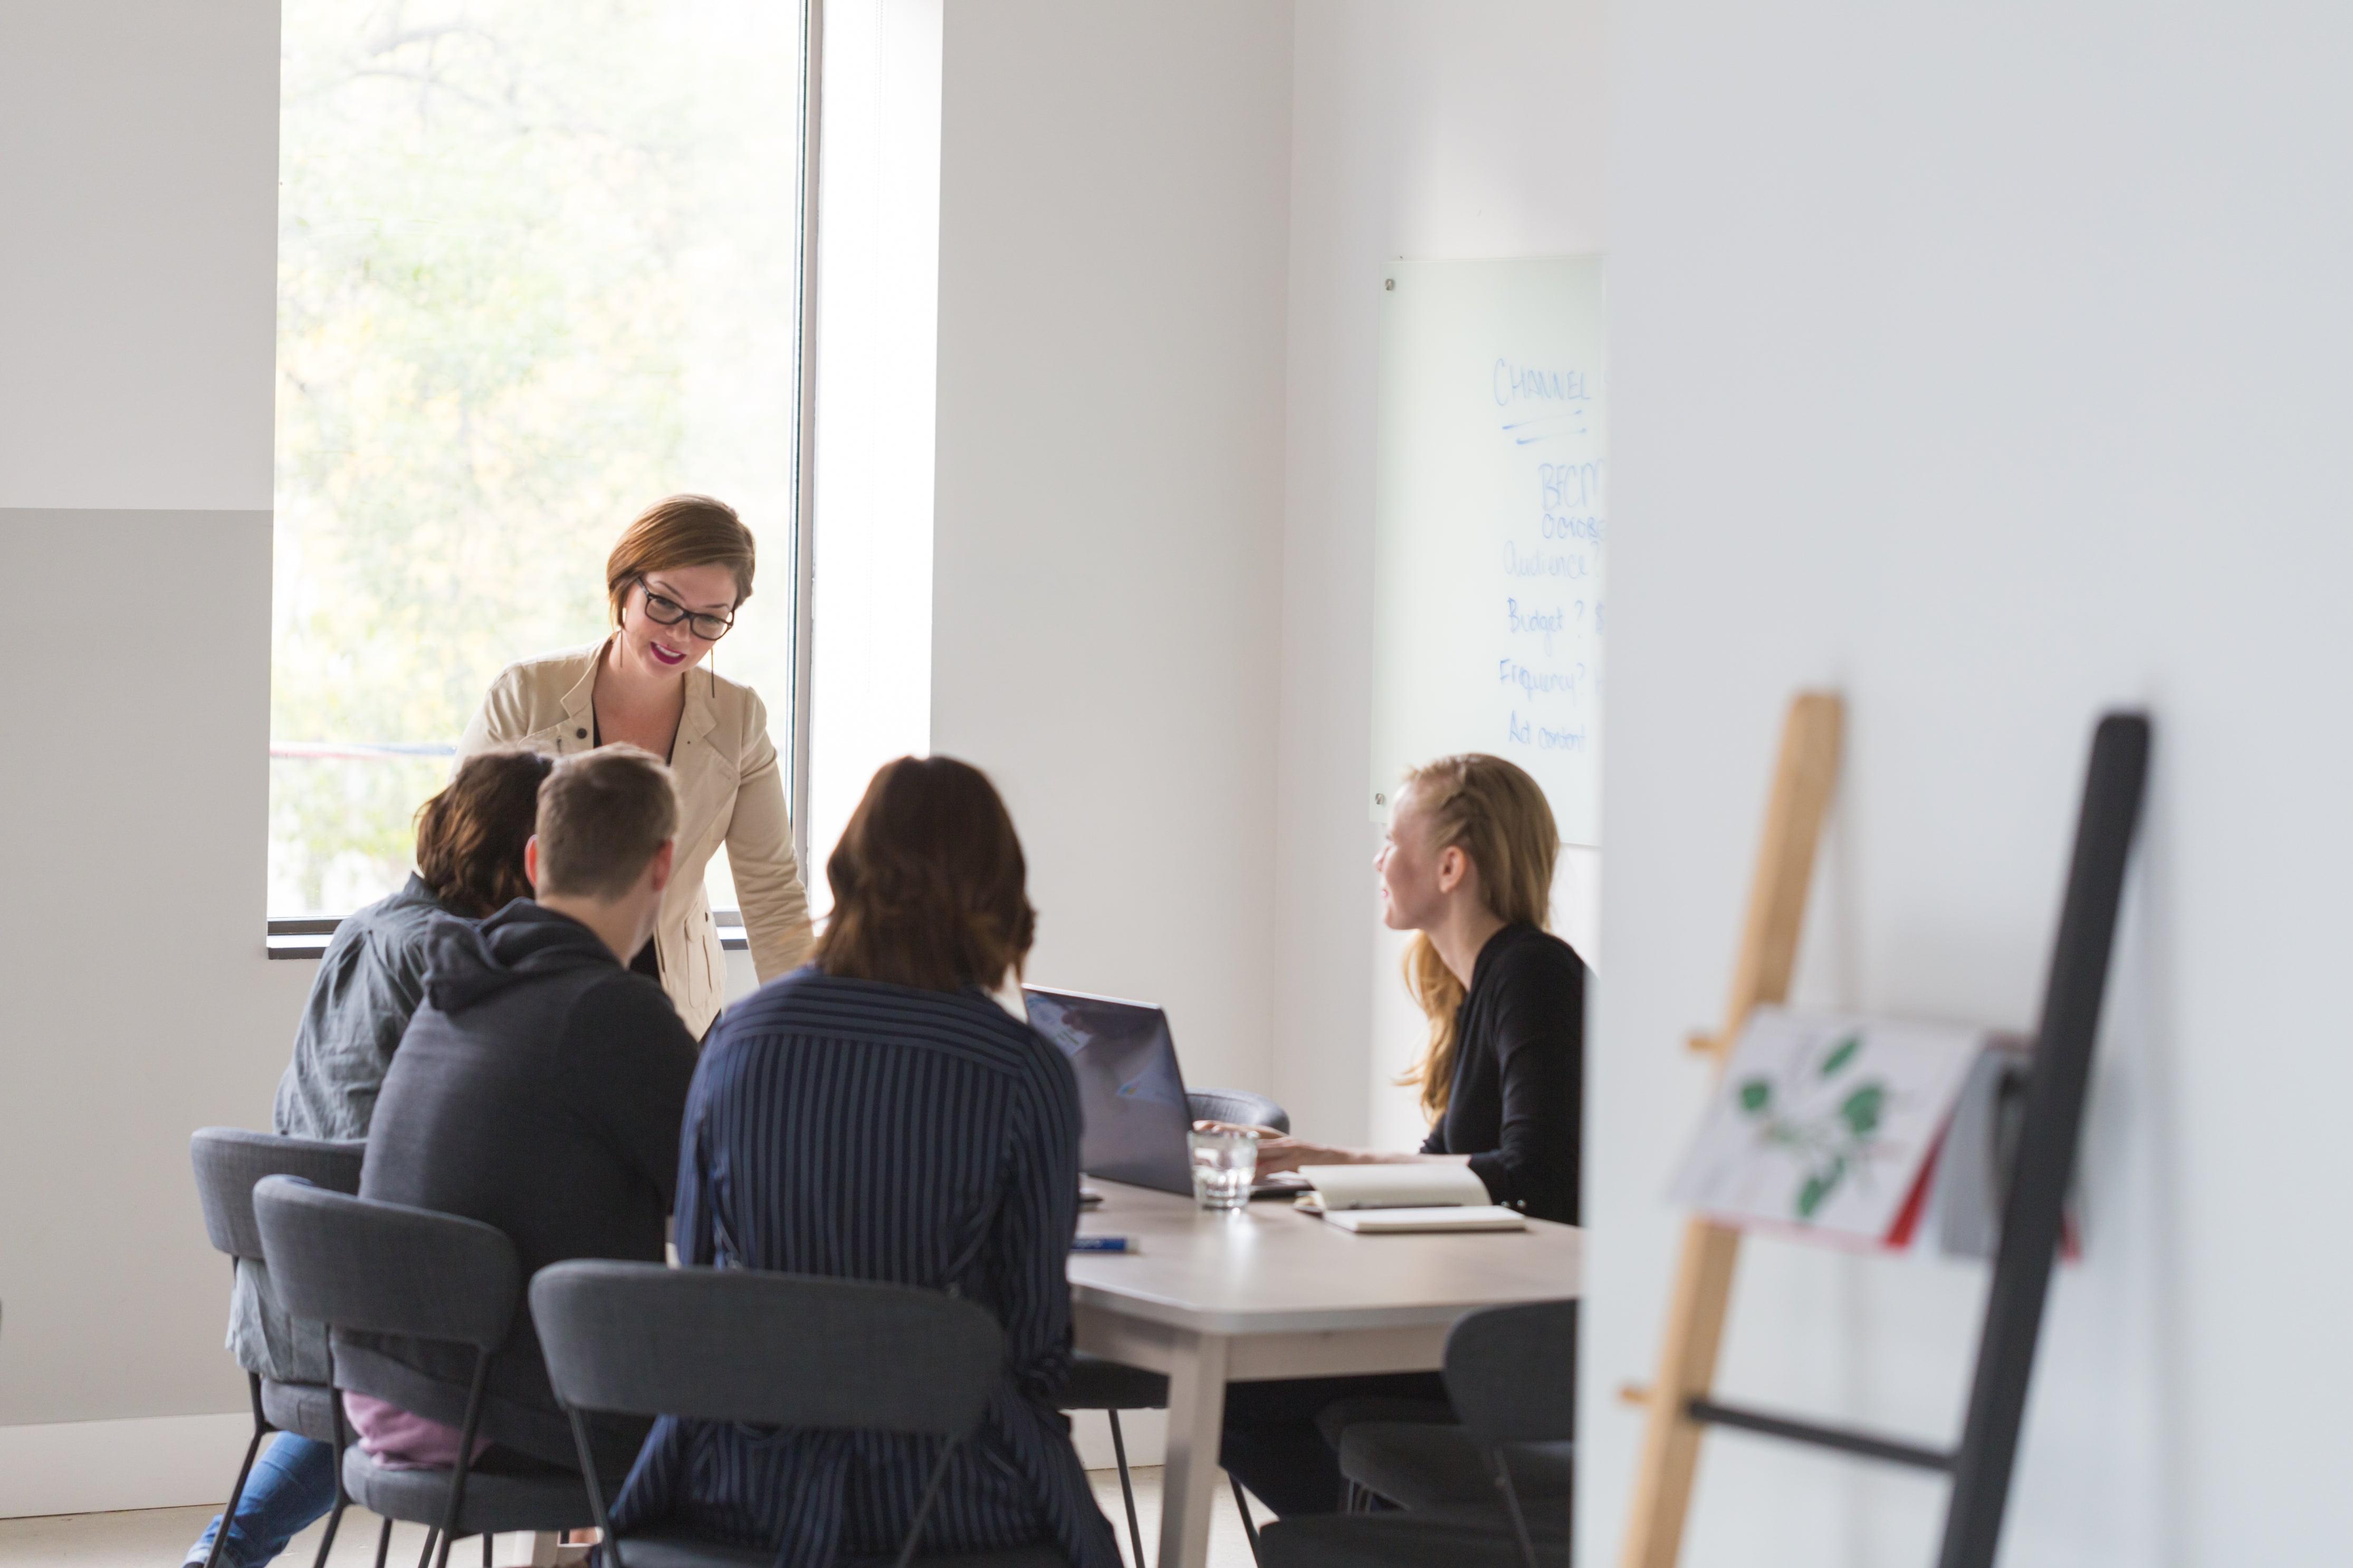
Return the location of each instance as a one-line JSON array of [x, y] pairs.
[[675, 581]]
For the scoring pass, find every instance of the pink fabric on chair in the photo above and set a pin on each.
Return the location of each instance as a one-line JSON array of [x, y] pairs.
[[399, 1440]]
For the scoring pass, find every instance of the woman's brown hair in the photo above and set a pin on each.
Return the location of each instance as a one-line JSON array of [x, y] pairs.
[[469, 837], [929, 885], [679, 530], [1494, 813]]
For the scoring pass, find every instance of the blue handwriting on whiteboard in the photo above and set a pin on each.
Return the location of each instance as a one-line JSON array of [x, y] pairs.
[[1526, 732], [1544, 623], [1559, 398], [1570, 494], [1526, 383], [1536, 683], [1531, 563]]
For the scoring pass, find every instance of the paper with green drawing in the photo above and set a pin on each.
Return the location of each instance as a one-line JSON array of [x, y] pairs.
[[1823, 1123]]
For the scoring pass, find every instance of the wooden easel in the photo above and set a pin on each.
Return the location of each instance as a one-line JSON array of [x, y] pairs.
[[1679, 1401], [1703, 1288]]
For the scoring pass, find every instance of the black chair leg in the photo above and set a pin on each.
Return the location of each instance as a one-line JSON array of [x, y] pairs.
[[487, 1538], [1126, 1489], [342, 1498], [334, 1523], [1249, 1525], [1519, 1517], [383, 1544], [261, 1428], [454, 1509], [432, 1538]]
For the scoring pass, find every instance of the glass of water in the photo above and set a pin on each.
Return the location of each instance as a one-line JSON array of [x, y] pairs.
[[1224, 1161]]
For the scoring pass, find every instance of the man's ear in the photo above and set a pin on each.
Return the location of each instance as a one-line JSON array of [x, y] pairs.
[[665, 859], [530, 862]]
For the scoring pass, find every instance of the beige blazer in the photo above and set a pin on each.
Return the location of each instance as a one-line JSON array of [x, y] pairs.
[[729, 792]]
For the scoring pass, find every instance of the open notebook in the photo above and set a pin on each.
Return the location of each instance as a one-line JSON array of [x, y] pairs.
[[1374, 1199]]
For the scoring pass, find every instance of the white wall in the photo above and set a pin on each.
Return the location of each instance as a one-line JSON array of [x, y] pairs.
[[1113, 189], [1987, 362], [139, 194], [1421, 130], [138, 189]]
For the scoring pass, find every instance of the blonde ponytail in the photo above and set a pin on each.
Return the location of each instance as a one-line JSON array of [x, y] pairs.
[[1494, 813]]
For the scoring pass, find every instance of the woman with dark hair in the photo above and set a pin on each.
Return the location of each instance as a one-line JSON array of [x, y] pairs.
[[469, 840], [878, 1116]]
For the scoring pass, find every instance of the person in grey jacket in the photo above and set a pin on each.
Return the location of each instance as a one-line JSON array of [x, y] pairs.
[[470, 862]]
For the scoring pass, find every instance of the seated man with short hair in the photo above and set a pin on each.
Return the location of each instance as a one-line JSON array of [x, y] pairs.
[[539, 1090]]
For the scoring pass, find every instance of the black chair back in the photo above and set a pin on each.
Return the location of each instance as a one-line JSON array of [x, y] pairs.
[[1238, 1106], [387, 1268], [1512, 1372], [357, 1264], [781, 1350], [230, 1160]]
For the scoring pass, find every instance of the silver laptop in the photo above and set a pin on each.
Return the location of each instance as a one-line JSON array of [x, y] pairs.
[[1132, 1107]]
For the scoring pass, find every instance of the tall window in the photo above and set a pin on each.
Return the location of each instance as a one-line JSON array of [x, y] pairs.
[[539, 265]]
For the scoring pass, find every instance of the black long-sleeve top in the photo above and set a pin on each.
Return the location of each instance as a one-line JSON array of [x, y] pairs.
[[1516, 1104]]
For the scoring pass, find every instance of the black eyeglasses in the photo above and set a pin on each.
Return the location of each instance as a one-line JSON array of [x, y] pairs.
[[668, 612]]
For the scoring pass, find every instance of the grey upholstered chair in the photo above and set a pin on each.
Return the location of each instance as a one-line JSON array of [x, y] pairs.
[[1511, 1374], [771, 1350], [1113, 1386], [1238, 1106], [1429, 1464], [358, 1265], [228, 1161], [1416, 1463]]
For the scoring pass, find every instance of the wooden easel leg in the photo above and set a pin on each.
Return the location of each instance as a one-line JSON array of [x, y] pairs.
[[1703, 1288], [1696, 1314]]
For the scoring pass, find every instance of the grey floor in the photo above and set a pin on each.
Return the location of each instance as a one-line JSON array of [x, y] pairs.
[[155, 1538]]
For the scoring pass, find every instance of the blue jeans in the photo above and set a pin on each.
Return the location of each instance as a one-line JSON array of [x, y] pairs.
[[291, 1487]]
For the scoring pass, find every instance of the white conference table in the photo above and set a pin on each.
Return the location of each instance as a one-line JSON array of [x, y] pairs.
[[1269, 1292]]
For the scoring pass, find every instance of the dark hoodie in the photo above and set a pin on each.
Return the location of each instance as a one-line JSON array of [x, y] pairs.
[[540, 1090]]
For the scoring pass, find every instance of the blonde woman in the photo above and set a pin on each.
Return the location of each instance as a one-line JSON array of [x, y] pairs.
[[1467, 866], [675, 581]]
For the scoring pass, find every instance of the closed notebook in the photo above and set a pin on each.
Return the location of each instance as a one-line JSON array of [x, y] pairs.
[[1372, 1199], [1451, 1216], [1420, 1186]]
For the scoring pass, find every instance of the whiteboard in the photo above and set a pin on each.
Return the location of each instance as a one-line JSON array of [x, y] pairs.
[[1489, 528]]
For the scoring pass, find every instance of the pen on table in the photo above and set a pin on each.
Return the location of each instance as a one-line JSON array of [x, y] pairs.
[[1105, 1244]]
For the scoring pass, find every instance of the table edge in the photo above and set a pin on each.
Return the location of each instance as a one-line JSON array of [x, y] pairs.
[[1289, 1321]]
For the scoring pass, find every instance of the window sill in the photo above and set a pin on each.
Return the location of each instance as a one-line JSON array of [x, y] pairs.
[[308, 938]]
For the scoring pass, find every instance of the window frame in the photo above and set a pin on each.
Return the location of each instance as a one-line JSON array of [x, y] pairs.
[[307, 936]]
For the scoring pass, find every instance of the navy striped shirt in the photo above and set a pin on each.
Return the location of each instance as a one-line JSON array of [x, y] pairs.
[[870, 1131]]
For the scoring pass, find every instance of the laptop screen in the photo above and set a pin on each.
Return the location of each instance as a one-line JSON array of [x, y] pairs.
[[1131, 1093]]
